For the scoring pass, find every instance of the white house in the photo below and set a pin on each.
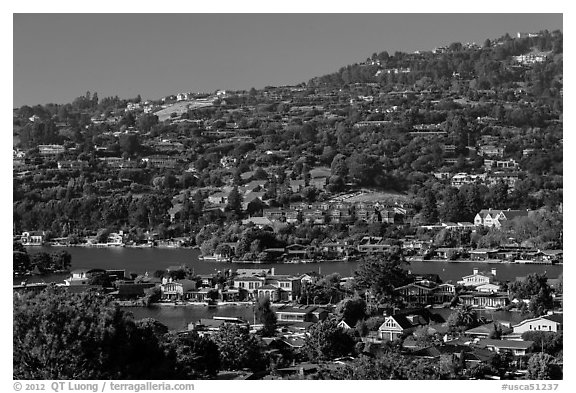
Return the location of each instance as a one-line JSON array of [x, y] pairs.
[[547, 323], [478, 278]]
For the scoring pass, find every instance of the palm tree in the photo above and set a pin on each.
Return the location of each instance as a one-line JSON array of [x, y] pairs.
[[467, 316]]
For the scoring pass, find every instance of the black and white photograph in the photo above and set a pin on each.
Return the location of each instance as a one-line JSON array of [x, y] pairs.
[[286, 196]]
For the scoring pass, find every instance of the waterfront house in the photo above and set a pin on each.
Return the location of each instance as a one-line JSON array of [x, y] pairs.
[[299, 251], [82, 276], [300, 314], [444, 293], [420, 292], [198, 295], [374, 245], [249, 283], [483, 253], [254, 272], [478, 278], [546, 323], [272, 292], [289, 287], [484, 300], [175, 290], [34, 238], [488, 288]]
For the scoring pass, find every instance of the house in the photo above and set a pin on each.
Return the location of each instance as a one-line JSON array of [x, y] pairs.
[[270, 291], [163, 162], [32, 238], [289, 287], [218, 198], [514, 347], [371, 244], [300, 314], [397, 325], [274, 214], [175, 290], [486, 218], [462, 178], [509, 178], [72, 165], [488, 288], [298, 251], [483, 253], [484, 300], [509, 215], [252, 196], [491, 151], [478, 278], [420, 292], [444, 293], [344, 325], [260, 222], [249, 283], [546, 323], [319, 182], [82, 276], [297, 185], [484, 331], [51, 150]]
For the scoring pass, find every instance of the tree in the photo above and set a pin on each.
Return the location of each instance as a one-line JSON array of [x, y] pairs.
[[326, 340], [535, 287], [542, 366], [352, 310], [197, 356], [382, 274], [41, 261], [61, 260], [234, 201], [129, 143], [338, 166], [548, 342], [238, 349], [430, 207], [266, 316], [60, 335]]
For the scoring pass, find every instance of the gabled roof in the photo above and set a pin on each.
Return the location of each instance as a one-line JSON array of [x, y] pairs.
[[512, 214], [505, 344], [430, 352]]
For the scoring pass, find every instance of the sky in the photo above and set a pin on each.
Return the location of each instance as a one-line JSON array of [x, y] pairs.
[[58, 57]]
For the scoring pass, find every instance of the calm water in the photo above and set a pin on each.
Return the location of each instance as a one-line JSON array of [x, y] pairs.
[[177, 317], [141, 260]]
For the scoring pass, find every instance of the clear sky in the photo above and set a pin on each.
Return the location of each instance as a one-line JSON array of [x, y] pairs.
[[57, 57]]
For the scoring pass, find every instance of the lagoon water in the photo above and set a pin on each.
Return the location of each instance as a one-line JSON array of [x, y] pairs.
[[141, 260]]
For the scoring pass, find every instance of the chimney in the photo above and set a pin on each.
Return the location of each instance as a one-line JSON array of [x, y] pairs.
[[475, 270], [272, 270], [493, 271]]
